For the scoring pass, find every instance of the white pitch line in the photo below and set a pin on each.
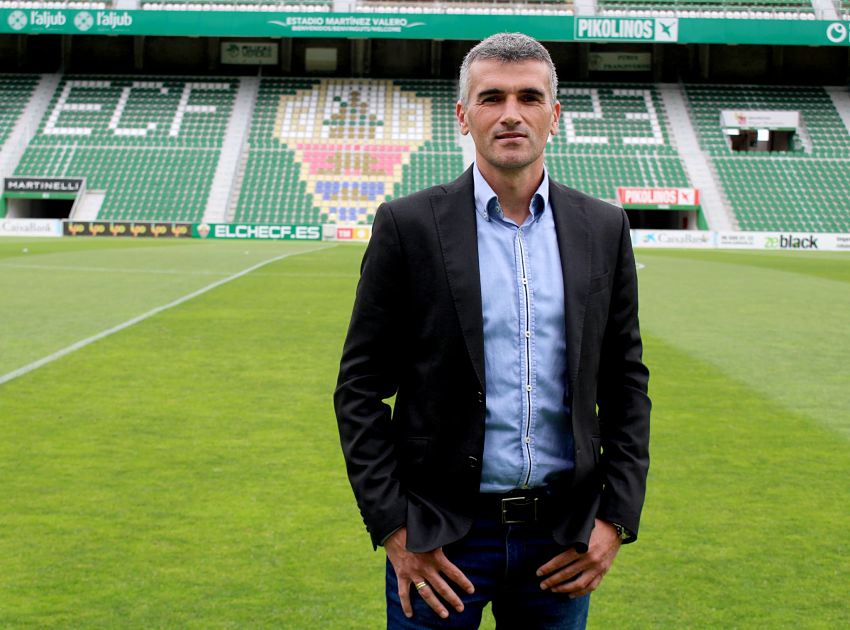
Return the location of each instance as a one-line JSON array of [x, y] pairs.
[[169, 272], [140, 318]]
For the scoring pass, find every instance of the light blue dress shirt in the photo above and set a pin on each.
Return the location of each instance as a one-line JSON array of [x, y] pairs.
[[528, 439]]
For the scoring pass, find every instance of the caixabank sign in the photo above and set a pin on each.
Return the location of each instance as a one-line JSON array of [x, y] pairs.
[[30, 227], [688, 239]]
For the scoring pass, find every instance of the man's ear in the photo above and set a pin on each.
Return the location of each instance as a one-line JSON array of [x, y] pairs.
[[556, 116], [461, 118]]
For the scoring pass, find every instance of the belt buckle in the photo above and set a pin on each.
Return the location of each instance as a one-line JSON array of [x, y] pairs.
[[520, 502]]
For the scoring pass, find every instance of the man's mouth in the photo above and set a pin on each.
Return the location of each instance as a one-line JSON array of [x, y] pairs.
[[509, 135]]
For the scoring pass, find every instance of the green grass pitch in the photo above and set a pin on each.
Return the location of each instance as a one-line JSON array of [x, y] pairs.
[[185, 472]]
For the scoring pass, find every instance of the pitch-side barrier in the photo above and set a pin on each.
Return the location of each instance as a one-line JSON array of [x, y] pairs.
[[699, 239], [672, 239]]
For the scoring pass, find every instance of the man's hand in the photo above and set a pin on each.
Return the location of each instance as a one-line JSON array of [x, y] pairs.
[[590, 567], [414, 568]]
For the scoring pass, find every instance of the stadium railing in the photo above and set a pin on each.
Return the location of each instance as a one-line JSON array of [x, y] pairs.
[[745, 9], [492, 7], [54, 4], [301, 6]]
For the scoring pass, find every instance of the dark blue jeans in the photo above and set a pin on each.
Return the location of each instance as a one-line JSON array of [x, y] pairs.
[[501, 562]]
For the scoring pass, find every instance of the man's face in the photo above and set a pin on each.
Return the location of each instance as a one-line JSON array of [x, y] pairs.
[[509, 112]]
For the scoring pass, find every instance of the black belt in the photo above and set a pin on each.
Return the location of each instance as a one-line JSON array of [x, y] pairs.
[[519, 507]]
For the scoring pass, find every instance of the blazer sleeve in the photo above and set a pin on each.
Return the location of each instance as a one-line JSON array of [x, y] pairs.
[[622, 399], [368, 376]]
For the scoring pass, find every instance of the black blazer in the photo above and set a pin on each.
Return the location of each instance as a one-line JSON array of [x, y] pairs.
[[416, 332]]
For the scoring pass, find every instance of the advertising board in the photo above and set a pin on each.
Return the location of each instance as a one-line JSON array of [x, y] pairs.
[[128, 229], [244, 231], [658, 198], [42, 187], [249, 53], [798, 241], [351, 233], [619, 62], [776, 241], [30, 227], [550, 28], [690, 239]]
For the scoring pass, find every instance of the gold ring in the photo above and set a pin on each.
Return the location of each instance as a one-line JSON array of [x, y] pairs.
[[421, 585]]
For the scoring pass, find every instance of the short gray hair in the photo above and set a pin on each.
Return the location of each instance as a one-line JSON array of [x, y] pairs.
[[507, 48]]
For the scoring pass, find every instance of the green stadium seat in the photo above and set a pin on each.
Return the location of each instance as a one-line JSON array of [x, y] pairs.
[[150, 143], [332, 150], [806, 188], [613, 135], [15, 92]]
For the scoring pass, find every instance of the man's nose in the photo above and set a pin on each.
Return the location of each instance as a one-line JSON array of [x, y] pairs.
[[510, 114]]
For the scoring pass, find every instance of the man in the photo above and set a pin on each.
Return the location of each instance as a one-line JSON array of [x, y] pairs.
[[501, 311]]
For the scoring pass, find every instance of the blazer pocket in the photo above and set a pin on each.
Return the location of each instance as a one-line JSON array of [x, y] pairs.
[[598, 283], [416, 450]]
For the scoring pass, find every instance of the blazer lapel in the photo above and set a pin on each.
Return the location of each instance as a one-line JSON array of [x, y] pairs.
[[574, 245], [454, 214]]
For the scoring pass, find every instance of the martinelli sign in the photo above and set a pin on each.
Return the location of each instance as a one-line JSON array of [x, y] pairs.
[[423, 26]]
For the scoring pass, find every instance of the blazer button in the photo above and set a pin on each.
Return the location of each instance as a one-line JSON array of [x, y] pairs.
[[481, 397], [472, 461]]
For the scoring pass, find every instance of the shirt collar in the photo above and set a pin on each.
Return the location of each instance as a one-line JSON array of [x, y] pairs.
[[487, 203]]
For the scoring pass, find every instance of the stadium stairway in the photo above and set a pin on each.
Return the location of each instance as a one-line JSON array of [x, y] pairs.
[[715, 209], [26, 126], [841, 99], [585, 7], [238, 179], [825, 9], [235, 135]]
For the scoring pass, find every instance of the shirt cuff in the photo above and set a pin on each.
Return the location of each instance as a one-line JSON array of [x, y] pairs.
[[387, 537]]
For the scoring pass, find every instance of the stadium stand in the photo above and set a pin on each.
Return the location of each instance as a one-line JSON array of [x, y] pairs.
[[805, 188], [150, 144], [613, 135], [440, 159], [332, 150], [15, 91]]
